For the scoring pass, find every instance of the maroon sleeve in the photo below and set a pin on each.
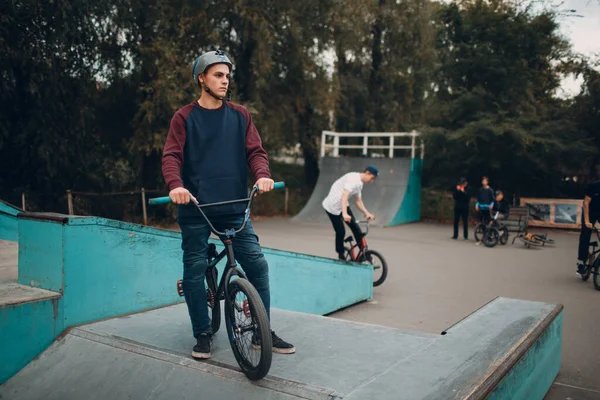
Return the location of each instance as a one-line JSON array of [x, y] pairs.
[[172, 158], [257, 157]]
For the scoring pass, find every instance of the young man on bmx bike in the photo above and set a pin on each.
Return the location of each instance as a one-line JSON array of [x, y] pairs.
[[337, 209], [209, 145]]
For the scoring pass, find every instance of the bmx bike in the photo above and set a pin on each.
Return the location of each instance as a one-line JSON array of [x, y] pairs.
[[592, 265], [360, 252], [492, 232], [245, 315]]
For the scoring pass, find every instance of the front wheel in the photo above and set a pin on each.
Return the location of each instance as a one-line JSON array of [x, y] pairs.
[[380, 269], [491, 237], [248, 329]]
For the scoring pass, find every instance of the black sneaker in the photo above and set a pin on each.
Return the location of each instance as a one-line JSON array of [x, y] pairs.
[[279, 345], [203, 346], [581, 268]]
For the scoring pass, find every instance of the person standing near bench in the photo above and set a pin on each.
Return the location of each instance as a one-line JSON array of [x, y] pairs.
[[591, 214], [461, 207], [485, 200]]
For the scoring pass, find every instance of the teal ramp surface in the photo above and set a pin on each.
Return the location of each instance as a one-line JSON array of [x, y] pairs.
[[8, 221], [394, 198], [509, 349]]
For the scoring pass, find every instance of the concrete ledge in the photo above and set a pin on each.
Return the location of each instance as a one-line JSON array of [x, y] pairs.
[[29, 326], [14, 294], [508, 349]]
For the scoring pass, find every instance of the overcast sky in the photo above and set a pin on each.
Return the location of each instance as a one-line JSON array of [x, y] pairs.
[[583, 33]]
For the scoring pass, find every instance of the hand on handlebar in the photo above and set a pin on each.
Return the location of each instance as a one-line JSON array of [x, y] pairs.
[[181, 195], [370, 217], [589, 225], [346, 217], [264, 185]]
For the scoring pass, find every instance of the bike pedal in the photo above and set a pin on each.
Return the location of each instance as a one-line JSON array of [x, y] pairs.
[[180, 288]]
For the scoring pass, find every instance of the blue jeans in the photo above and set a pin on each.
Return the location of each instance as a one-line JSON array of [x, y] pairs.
[[195, 246]]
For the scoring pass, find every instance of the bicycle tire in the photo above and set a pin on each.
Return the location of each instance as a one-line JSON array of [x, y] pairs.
[[588, 268], [384, 269], [259, 325], [479, 231], [596, 279], [214, 304], [491, 237], [503, 235]]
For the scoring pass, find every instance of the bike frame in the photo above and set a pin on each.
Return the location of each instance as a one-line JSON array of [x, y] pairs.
[[226, 237], [231, 268], [593, 253], [362, 245]]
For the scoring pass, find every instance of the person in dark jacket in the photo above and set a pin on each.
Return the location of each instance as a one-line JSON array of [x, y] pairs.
[[485, 200], [461, 207], [501, 205]]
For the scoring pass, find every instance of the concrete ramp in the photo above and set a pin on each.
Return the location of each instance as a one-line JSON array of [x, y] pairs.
[[509, 349], [394, 198]]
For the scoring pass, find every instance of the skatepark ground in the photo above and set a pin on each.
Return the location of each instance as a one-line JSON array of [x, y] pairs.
[[434, 281]]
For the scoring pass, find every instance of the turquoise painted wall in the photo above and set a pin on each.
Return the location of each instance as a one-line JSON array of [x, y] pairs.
[[115, 268], [27, 330], [41, 254], [107, 268], [410, 210], [314, 285], [533, 375], [8, 222]]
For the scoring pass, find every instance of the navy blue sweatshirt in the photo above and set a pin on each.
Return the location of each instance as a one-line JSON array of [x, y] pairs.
[[208, 151], [485, 198]]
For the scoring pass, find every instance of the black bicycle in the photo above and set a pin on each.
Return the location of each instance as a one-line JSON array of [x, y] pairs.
[[593, 262], [245, 315], [359, 252], [491, 233]]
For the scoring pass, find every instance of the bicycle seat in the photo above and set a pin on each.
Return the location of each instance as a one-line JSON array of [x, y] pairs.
[[348, 239], [593, 244]]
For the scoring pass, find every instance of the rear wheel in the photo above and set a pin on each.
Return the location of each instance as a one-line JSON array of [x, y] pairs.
[[588, 267], [380, 269], [214, 305], [248, 329], [479, 231]]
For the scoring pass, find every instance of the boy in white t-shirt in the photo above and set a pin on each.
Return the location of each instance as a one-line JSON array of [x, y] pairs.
[[336, 204]]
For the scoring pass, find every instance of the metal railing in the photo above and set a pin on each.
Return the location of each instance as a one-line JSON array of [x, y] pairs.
[[365, 146]]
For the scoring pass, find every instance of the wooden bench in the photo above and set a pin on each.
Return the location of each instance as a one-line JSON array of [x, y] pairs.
[[517, 221]]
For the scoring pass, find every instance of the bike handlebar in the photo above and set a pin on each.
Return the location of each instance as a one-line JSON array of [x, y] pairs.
[[366, 221], [228, 232]]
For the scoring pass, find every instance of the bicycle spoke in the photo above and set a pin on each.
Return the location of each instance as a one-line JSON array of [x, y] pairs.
[[244, 330]]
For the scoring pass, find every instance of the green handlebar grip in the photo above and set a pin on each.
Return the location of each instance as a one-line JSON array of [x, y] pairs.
[[159, 200]]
